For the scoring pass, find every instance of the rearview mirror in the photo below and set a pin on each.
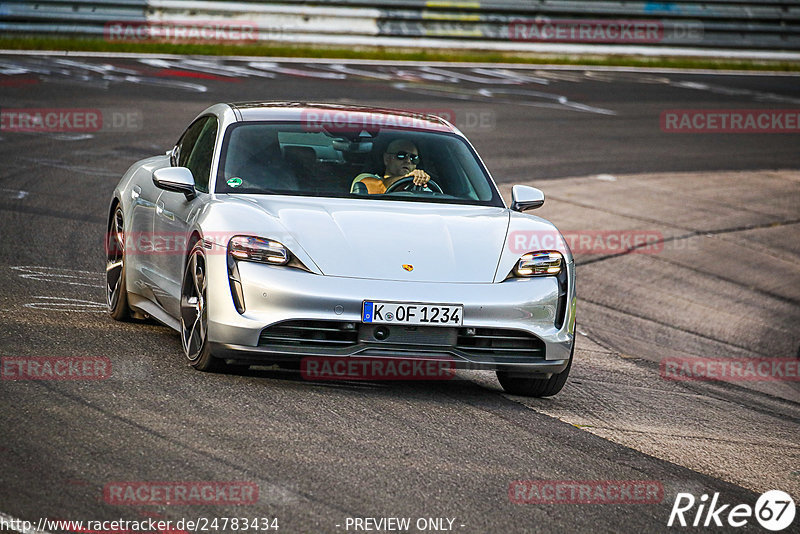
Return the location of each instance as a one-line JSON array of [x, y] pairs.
[[524, 197], [176, 179]]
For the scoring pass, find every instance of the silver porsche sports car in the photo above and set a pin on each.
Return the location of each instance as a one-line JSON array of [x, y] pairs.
[[277, 232]]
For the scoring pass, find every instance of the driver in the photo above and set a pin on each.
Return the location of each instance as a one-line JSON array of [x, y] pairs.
[[400, 161]]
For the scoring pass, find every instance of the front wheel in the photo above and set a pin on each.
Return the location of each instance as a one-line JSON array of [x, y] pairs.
[[194, 313], [116, 288], [527, 384]]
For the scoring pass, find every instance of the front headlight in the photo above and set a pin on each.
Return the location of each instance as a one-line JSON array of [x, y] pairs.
[[542, 263], [258, 249]]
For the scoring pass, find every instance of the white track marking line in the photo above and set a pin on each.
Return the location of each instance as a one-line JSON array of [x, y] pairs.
[[57, 274], [381, 62], [15, 194], [65, 304]]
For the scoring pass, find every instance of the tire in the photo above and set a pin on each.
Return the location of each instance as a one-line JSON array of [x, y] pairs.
[[526, 384], [116, 288], [194, 313]]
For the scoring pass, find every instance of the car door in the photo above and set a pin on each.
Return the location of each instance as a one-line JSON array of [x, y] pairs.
[[142, 203], [174, 213]]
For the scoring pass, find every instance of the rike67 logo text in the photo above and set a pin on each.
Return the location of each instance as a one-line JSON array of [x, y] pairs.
[[774, 510]]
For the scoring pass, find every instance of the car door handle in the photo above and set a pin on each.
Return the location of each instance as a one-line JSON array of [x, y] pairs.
[[162, 211]]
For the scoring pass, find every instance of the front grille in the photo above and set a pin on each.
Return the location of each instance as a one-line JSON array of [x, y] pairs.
[[337, 337], [319, 334], [499, 343]]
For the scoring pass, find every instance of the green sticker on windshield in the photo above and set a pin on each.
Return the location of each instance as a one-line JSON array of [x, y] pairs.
[[234, 182]]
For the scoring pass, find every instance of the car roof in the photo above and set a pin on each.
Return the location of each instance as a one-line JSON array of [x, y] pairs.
[[339, 114]]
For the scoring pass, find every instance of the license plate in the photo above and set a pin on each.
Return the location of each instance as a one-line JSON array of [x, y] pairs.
[[412, 313]]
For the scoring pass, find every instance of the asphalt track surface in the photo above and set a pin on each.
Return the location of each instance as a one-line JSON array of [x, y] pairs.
[[320, 453]]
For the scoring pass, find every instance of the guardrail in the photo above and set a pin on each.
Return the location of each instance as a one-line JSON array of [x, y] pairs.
[[495, 24], [80, 18]]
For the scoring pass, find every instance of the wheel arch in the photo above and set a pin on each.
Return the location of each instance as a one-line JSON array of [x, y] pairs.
[[194, 236]]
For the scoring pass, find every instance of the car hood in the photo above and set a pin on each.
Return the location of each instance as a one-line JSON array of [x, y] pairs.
[[394, 240]]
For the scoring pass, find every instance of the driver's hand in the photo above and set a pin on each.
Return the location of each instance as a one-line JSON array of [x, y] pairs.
[[420, 177]]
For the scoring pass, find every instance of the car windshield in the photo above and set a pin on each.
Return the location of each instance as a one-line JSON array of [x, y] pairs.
[[293, 159]]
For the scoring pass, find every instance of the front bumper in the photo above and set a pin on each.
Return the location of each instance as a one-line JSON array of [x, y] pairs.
[[276, 295], [240, 354]]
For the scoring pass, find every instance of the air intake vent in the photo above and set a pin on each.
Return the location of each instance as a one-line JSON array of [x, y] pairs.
[[320, 334], [499, 343]]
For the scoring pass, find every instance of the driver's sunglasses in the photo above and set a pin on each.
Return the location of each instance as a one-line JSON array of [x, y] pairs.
[[413, 158]]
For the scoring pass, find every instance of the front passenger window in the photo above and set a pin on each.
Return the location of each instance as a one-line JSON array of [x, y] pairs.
[[196, 149], [199, 161]]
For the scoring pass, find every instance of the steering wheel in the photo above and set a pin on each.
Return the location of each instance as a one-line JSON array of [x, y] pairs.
[[407, 184]]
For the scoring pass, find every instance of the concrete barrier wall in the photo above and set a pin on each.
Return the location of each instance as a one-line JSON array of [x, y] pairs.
[[768, 25]]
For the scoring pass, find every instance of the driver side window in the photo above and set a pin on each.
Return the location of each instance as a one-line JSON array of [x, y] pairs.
[[196, 149]]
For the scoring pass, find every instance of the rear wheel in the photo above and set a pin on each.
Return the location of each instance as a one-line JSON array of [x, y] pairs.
[[528, 384], [116, 289], [194, 313]]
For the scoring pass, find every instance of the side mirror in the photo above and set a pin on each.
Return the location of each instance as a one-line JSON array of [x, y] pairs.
[[524, 197], [176, 179]]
